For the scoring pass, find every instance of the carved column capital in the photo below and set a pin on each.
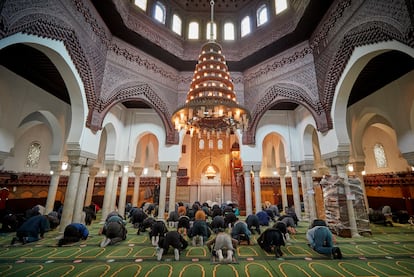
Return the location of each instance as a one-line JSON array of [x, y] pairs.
[[137, 170]]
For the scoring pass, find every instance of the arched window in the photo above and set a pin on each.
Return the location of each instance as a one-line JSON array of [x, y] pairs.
[[228, 31], [245, 26], [193, 30], [220, 144], [210, 144], [380, 157], [142, 4], [159, 12], [280, 5], [214, 30], [33, 155], [177, 24], [201, 144], [261, 15]]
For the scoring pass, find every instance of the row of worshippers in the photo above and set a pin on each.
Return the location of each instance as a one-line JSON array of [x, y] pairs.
[[222, 244]]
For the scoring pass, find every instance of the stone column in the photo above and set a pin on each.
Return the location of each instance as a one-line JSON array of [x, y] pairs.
[[341, 163], [114, 193], [163, 189], [75, 162], [80, 196], [56, 167], [248, 189], [173, 187], [106, 205], [257, 187], [283, 191], [358, 168], [295, 191], [135, 196], [310, 207], [124, 191], [91, 185]]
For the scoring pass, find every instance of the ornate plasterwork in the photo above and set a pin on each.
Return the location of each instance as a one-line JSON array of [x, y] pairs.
[[141, 92], [282, 92]]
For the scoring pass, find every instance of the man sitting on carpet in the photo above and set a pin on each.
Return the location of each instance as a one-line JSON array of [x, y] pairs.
[[222, 243], [320, 239], [173, 239], [74, 232]]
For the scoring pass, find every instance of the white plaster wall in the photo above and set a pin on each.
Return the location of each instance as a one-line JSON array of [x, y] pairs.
[[39, 133], [393, 102], [20, 98], [395, 162]]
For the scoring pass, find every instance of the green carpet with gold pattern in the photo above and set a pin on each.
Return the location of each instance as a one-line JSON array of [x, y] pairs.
[[388, 252]]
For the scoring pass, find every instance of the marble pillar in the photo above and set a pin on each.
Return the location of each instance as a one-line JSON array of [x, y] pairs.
[[80, 196], [91, 185], [248, 189], [173, 188], [257, 188], [137, 180], [163, 190], [106, 205], [123, 192], [56, 167], [295, 191], [283, 191], [70, 195]]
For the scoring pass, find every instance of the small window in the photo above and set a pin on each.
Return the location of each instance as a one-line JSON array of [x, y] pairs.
[[280, 5], [380, 157], [220, 144], [228, 31], [193, 30], [201, 144], [177, 24], [245, 26], [33, 155], [262, 15], [214, 30], [159, 12], [142, 4]]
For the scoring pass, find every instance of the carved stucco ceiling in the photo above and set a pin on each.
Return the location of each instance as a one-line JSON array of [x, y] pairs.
[[34, 66]]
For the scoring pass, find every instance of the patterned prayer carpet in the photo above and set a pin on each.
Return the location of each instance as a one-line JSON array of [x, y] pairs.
[[388, 252]]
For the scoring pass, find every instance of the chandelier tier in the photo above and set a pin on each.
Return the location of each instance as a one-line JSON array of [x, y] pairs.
[[211, 106]]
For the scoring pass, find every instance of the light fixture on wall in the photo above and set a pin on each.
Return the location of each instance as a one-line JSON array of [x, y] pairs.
[[210, 171], [211, 106]]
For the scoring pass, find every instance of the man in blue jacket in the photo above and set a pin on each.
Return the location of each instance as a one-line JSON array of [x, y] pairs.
[[32, 229]]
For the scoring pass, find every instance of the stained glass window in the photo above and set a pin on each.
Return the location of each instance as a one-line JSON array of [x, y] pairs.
[[380, 157], [33, 155]]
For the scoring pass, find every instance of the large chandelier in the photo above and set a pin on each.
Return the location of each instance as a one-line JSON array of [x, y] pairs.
[[211, 106]]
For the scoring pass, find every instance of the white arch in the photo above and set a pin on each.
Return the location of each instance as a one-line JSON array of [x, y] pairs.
[[359, 58], [47, 118], [57, 53]]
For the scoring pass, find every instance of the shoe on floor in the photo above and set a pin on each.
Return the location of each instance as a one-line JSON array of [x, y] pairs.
[[219, 254], [336, 253], [177, 254], [159, 254], [105, 242]]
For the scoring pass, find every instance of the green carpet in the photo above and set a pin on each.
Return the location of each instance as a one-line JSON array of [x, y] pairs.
[[388, 252]]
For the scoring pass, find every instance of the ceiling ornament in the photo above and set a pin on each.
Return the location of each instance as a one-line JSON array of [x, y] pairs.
[[211, 107]]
